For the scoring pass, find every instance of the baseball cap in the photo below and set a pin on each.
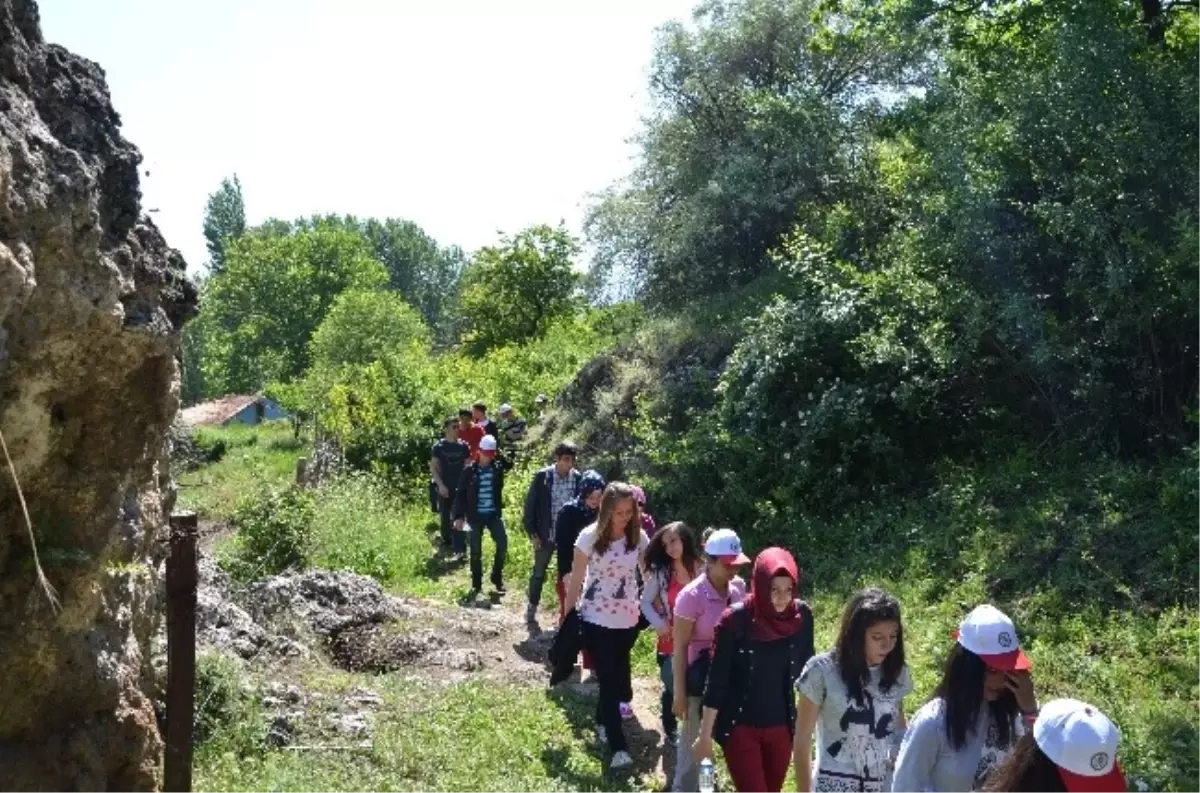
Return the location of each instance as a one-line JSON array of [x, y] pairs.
[[1082, 742], [505, 408], [989, 633], [488, 444], [725, 545]]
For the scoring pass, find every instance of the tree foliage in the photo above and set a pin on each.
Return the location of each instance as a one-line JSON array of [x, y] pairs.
[[513, 292], [224, 221], [261, 310]]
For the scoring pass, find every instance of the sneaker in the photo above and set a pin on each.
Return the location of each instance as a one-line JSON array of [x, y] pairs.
[[601, 734], [621, 760], [496, 582], [626, 711]]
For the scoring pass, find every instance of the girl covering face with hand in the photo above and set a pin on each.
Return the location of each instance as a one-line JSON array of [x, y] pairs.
[[970, 726]]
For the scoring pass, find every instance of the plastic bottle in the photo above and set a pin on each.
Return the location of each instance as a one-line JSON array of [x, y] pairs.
[[708, 776]]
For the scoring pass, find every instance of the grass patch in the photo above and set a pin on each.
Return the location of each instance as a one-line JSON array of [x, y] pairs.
[[256, 457], [468, 736]]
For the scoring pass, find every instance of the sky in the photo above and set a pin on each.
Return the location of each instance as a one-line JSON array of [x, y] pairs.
[[469, 118]]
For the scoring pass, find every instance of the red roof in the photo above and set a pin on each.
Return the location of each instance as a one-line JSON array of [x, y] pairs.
[[216, 412]]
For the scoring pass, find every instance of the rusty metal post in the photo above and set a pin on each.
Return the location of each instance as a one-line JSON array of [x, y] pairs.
[[181, 652]]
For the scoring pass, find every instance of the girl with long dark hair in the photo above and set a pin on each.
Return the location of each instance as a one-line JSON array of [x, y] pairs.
[[607, 555], [672, 561], [1073, 747], [854, 696], [975, 717], [761, 646]]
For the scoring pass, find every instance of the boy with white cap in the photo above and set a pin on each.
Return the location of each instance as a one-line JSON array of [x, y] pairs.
[[479, 502]]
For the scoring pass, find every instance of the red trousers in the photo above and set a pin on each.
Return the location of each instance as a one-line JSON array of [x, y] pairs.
[[758, 757], [560, 587]]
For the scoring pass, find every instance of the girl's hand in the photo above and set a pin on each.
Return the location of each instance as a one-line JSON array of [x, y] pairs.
[[1021, 685], [679, 704], [702, 748]]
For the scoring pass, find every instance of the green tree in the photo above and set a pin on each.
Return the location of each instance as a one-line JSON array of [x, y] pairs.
[[365, 326], [425, 273], [513, 292], [269, 299], [224, 220], [756, 114]]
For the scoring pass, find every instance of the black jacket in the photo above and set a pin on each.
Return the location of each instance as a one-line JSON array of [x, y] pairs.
[[567, 644], [732, 668], [466, 497], [537, 502], [573, 519]]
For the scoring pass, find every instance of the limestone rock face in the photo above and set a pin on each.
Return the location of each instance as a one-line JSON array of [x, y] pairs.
[[91, 304]]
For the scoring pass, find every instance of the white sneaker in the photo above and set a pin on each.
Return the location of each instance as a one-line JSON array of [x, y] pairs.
[[601, 734], [621, 760]]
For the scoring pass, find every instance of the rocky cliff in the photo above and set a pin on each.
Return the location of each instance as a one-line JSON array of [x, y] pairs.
[[91, 303]]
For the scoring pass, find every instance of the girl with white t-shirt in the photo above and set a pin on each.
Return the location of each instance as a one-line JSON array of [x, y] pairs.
[[607, 556], [854, 697]]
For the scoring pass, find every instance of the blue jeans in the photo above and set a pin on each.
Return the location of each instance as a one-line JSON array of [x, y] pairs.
[[669, 722]]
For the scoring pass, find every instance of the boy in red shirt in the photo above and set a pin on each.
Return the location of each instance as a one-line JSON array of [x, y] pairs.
[[469, 431]]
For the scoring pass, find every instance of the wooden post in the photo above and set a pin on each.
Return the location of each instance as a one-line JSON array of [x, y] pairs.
[[301, 471], [181, 652]]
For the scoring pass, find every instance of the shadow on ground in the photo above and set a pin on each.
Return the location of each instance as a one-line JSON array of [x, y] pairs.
[[578, 703]]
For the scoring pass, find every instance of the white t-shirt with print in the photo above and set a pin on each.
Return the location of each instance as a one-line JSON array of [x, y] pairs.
[[853, 737], [610, 591]]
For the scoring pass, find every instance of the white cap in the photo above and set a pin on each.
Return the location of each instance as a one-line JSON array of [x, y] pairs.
[[1082, 742], [488, 444], [989, 633], [724, 544], [505, 408]]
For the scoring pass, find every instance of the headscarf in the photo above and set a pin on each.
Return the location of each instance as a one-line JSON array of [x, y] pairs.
[[589, 483], [767, 624]]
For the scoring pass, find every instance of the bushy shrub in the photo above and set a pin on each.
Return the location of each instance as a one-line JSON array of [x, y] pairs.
[[274, 532], [220, 699]]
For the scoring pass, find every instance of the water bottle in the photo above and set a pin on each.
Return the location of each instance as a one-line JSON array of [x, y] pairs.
[[708, 776]]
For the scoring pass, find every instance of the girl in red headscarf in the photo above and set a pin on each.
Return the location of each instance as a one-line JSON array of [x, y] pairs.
[[761, 646]]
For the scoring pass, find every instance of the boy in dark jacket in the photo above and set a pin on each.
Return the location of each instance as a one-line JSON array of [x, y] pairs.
[[552, 488], [479, 502]]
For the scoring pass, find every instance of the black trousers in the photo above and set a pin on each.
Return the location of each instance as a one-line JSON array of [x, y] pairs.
[[454, 540], [610, 649], [495, 526]]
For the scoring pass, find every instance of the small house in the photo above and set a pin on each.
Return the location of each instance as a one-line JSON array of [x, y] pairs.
[[233, 410]]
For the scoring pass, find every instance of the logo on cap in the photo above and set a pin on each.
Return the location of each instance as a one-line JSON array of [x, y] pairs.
[[1099, 761], [735, 546], [1005, 639]]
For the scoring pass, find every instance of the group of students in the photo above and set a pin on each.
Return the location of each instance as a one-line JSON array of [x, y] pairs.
[[739, 669], [738, 663], [467, 467]]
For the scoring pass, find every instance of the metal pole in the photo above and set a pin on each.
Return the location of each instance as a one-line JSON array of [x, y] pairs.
[[301, 471], [181, 652]]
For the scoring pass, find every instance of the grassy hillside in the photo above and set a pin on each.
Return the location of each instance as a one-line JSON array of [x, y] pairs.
[[1040, 546]]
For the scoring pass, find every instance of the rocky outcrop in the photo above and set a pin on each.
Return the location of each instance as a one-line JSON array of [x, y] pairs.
[[91, 303]]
